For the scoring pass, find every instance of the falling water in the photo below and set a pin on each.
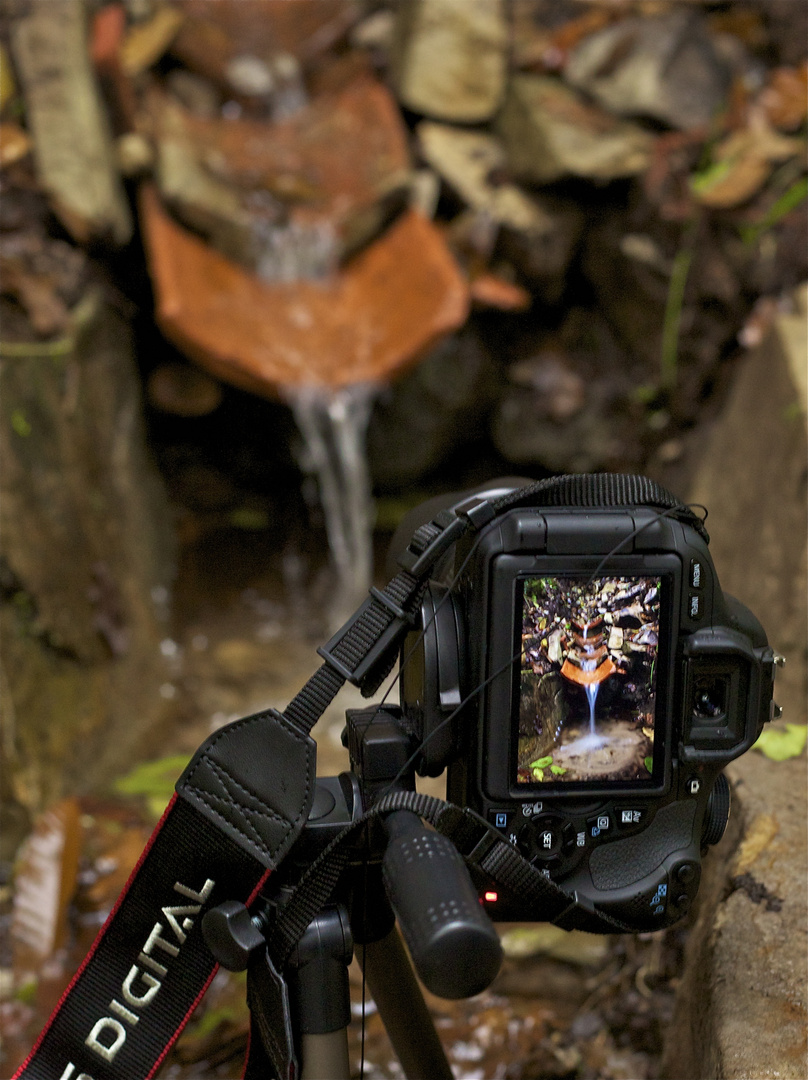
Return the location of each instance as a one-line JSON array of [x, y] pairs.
[[592, 741], [333, 423], [592, 694]]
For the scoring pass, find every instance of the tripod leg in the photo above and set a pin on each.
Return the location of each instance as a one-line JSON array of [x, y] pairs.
[[325, 1056], [317, 972], [393, 986]]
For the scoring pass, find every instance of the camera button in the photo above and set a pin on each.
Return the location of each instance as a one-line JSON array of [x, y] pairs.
[[695, 607], [685, 873], [500, 819], [631, 817], [598, 827], [696, 574], [541, 839]]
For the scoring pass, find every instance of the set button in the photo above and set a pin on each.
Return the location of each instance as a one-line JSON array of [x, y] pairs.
[[542, 839]]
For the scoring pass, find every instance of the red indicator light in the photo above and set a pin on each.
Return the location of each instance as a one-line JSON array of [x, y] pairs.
[[490, 897]]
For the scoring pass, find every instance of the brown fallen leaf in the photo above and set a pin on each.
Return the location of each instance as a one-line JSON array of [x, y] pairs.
[[784, 99], [15, 144], [146, 42], [44, 885], [742, 164]]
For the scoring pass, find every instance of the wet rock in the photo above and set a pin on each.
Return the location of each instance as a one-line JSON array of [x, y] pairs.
[[752, 471], [199, 198], [543, 258], [473, 164], [74, 153], [741, 1006], [432, 410], [214, 34], [388, 305], [449, 58], [81, 569], [566, 407], [183, 390], [334, 172], [549, 132], [542, 39], [197, 95], [632, 279], [524, 435], [45, 277], [665, 67]]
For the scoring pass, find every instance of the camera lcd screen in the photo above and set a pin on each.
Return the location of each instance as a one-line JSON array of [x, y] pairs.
[[588, 679]]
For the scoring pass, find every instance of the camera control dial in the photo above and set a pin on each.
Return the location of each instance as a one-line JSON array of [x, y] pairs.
[[546, 838]]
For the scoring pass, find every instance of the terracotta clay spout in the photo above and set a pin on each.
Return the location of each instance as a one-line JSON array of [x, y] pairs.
[[365, 323]]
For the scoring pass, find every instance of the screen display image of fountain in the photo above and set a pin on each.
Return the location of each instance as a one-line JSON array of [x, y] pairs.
[[587, 684]]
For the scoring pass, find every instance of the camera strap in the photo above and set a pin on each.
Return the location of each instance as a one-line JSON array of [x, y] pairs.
[[243, 801]]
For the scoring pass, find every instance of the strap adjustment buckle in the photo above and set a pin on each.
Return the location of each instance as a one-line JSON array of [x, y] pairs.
[[371, 655]]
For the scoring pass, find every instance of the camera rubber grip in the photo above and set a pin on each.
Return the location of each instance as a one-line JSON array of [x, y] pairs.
[[453, 944], [625, 862]]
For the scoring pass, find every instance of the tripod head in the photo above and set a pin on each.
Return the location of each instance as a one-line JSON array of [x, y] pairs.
[[424, 881]]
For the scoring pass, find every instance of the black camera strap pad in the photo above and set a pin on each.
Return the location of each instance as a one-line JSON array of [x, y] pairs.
[[243, 801]]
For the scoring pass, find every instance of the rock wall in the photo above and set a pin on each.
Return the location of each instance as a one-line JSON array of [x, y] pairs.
[[742, 1005]]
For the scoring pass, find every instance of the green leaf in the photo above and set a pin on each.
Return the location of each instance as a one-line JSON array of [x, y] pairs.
[[249, 519], [542, 762], [787, 202], [153, 779], [649, 763], [538, 773], [713, 174], [557, 770], [779, 745], [19, 423]]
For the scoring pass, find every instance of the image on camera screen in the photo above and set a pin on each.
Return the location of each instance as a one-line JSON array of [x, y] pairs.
[[587, 691]]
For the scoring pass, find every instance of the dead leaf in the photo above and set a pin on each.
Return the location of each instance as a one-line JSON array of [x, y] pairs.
[[44, 885], [15, 144], [784, 99], [742, 163], [146, 42]]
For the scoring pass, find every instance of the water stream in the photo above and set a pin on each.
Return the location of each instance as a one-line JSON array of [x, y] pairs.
[[592, 695], [333, 423]]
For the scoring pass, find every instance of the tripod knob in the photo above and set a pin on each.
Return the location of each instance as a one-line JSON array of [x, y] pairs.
[[231, 935]]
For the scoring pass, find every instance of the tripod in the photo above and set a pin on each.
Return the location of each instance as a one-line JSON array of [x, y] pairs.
[[397, 869]]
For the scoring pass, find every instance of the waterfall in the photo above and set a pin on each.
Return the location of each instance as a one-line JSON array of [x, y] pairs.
[[333, 423], [592, 694]]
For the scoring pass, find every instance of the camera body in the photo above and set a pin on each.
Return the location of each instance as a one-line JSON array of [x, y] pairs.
[[614, 682]]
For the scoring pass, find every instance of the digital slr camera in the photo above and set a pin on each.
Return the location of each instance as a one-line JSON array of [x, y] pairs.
[[585, 681]]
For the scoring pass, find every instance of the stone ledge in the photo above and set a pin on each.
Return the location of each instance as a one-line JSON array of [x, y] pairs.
[[741, 1007]]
